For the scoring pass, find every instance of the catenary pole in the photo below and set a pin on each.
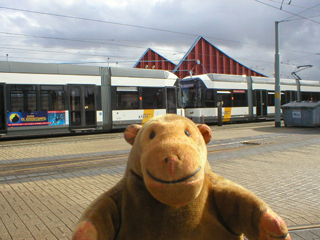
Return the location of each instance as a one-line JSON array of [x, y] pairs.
[[277, 94]]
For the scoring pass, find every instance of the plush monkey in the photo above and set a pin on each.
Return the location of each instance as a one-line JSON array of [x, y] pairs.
[[169, 192]]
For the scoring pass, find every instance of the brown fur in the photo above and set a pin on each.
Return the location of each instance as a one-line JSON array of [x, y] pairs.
[[169, 192]]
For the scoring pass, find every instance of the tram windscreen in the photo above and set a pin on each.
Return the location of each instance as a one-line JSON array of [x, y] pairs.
[[191, 94]]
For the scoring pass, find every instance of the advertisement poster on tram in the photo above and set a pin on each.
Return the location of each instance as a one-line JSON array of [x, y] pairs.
[[39, 118]]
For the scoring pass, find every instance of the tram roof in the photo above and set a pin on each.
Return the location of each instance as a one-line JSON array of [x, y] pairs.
[[310, 83], [220, 77], [259, 80], [71, 69], [141, 73], [48, 68], [227, 77]]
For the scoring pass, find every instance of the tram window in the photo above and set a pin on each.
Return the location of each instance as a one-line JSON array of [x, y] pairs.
[[16, 101], [226, 98], [127, 98], [23, 98], [192, 94], [190, 98], [44, 100], [293, 96], [283, 98], [89, 98], [306, 96], [152, 98], [75, 99], [254, 97], [290, 96], [240, 98], [179, 93], [171, 100], [98, 104], [32, 101], [209, 98], [52, 98], [270, 98], [315, 96]]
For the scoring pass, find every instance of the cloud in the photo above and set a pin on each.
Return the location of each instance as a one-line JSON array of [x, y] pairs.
[[242, 29]]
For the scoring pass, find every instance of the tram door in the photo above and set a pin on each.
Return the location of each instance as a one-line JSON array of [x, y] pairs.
[[171, 100], [262, 103], [82, 106], [2, 110]]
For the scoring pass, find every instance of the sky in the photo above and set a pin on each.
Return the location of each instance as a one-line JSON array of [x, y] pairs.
[[118, 32]]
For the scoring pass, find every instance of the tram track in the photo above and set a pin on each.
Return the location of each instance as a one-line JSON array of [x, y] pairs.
[[78, 163], [62, 160], [303, 227], [29, 167], [62, 165], [17, 142], [305, 230]]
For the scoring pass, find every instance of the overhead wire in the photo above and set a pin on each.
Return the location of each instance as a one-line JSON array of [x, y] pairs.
[[103, 43], [80, 41], [298, 6], [108, 22], [68, 39], [57, 52], [115, 56], [306, 18], [298, 14], [96, 20], [293, 5], [122, 24]]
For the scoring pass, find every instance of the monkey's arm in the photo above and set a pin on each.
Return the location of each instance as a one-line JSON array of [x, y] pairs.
[[100, 220], [243, 212]]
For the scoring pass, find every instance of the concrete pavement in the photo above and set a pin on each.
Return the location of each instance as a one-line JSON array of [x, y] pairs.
[[281, 165]]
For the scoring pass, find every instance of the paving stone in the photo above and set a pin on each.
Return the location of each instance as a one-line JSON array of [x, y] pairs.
[[283, 170]]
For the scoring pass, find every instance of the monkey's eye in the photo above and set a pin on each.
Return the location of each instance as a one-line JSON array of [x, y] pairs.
[[187, 133], [152, 135]]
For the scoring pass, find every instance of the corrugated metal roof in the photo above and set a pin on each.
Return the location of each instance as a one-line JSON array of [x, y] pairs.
[[153, 60], [202, 58]]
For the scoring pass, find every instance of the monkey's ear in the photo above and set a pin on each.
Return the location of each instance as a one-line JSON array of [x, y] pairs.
[[131, 132], [206, 132]]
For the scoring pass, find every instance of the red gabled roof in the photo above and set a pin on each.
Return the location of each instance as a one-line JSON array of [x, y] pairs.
[[153, 60], [202, 57]]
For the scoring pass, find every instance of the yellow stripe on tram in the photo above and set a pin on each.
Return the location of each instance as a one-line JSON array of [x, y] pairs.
[[147, 114], [227, 114]]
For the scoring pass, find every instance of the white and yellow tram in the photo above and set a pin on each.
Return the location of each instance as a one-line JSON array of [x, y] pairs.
[[50, 98], [241, 98]]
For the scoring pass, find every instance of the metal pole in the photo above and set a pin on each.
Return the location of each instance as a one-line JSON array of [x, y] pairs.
[[220, 113], [277, 94]]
